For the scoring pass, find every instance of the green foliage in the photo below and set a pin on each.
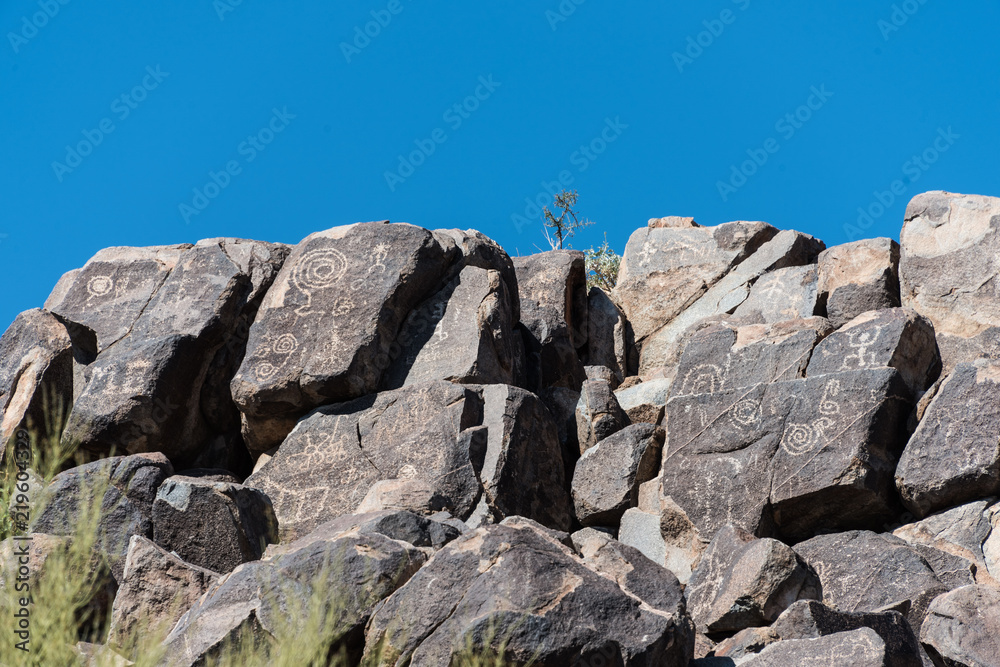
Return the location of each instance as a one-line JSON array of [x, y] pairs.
[[568, 221], [602, 266]]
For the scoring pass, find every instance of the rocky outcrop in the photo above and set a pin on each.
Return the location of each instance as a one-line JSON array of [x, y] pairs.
[[752, 451], [489, 448]]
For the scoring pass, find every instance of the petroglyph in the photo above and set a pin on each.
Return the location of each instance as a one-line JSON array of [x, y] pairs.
[[317, 270], [99, 286]]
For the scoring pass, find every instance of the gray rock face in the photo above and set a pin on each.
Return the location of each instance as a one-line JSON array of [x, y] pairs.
[[787, 248], [523, 472], [666, 269], [347, 576], [636, 575], [146, 392], [553, 290], [466, 596], [743, 582], [785, 294], [598, 414], [858, 648], [608, 476], [857, 277], [792, 456], [726, 355], [461, 442], [40, 360], [644, 402], [963, 627], [609, 335], [896, 338], [862, 571], [809, 619], [157, 587], [327, 464], [953, 457], [325, 329], [401, 526], [970, 532], [465, 333], [128, 485], [214, 525], [949, 264], [113, 289]]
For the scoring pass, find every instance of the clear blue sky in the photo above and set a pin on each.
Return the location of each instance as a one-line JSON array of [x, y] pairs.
[[681, 115]]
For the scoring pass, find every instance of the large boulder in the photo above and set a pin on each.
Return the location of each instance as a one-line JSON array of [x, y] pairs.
[[896, 338], [783, 294], [466, 332], [962, 628], [325, 329], [953, 457], [949, 268], [809, 619], [661, 349], [861, 571], [41, 361], [157, 588], [553, 291], [332, 584], [608, 476], [493, 449], [214, 525], [148, 391], [112, 290], [728, 355], [970, 532], [523, 588], [857, 277], [743, 582], [122, 489], [665, 269], [789, 456], [326, 466], [524, 470], [857, 648]]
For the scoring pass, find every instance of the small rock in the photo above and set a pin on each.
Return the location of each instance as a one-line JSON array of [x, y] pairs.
[[743, 582], [157, 588], [963, 628], [214, 525], [598, 414], [857, 277], [607, 477]]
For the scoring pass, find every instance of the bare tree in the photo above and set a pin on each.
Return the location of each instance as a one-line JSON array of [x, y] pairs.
[[568, 221]]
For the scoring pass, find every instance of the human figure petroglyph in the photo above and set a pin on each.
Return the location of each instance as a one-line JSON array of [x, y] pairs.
[[861, 340]]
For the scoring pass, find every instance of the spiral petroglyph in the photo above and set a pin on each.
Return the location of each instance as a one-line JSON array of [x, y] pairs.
[[801, 439], [285, 344], [319, 269], [100, 285]]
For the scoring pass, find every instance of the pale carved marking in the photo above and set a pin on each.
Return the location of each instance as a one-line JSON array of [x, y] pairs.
[[99, 286], [861, 341], [318, 270]]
